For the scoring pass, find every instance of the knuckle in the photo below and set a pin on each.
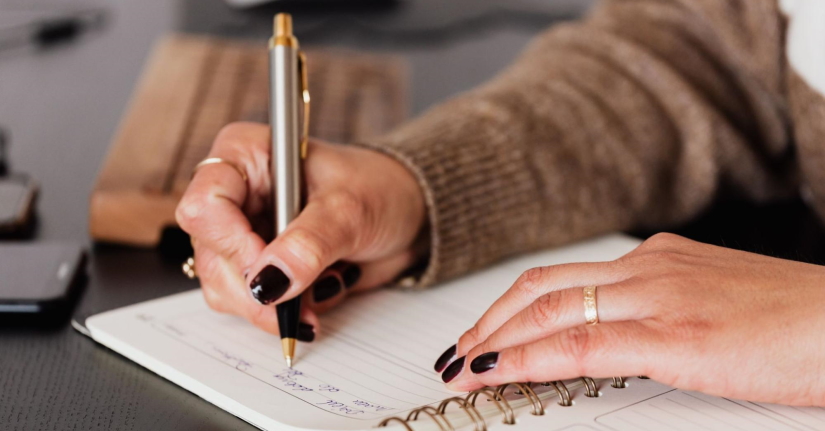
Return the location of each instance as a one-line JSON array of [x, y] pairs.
[[232, 131], [518, 358], [662, 239], [577, 343], [532, 282], [544, 312], [470, 338], [189, 210], [240, 139]]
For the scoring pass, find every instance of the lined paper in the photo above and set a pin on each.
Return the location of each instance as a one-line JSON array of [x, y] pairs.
[[686, 411], [374, 360], [374, 356]]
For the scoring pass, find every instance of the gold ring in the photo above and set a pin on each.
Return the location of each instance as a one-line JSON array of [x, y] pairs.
[[189, 268], [591, 313], [218, 160]]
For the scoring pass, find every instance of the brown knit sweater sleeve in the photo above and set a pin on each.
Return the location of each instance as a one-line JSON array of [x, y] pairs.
[[638, 116]]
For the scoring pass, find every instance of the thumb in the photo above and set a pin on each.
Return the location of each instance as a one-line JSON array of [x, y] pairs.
[[326, 231]]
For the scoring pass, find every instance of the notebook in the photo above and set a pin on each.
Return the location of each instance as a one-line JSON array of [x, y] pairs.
[[371, 365]]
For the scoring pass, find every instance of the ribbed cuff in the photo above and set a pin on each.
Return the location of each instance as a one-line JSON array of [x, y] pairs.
[[480, 193]]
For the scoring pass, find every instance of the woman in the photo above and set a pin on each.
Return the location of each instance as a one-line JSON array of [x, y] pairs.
[[636, 117]]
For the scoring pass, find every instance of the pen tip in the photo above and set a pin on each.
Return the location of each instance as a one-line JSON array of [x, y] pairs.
[[288, 345]]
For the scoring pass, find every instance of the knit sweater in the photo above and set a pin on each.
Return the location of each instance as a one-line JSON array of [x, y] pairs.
[[637, 117]]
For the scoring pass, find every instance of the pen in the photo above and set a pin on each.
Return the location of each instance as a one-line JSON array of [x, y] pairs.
[[287, 85]]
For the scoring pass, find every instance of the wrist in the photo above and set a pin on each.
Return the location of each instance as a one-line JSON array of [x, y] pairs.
[[403, 205]]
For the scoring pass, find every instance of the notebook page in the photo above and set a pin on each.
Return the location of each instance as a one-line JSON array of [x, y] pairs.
[[645, 405], [373, 358]]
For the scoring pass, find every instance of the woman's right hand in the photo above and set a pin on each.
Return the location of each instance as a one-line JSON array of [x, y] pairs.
[[363, 213]]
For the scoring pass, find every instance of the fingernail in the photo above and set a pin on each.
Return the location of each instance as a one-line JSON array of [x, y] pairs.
[[306, 332], [326, 288], [351, 275], [484, 362], [269, 285], [445, 359], [453, 370]]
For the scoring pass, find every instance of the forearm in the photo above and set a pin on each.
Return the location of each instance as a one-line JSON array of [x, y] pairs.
[[634, 117]]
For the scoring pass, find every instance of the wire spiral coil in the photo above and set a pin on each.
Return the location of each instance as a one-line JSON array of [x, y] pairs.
[[496, 395]]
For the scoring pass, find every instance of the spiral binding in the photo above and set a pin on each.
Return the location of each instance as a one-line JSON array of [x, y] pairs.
[[590, 388], [618, 383], [561, 389], [496, 395]]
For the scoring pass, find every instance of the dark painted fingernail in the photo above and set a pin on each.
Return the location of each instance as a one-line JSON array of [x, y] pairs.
[[306, 332], [351, 275], [453, 370], [445, 359], [326, 288], [269, 285], [484, 362]]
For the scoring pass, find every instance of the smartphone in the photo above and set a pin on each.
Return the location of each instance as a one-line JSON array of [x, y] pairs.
[[17, 196], [40, 281]]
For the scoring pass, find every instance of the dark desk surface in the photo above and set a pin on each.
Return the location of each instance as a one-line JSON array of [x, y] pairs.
[[62, 107]]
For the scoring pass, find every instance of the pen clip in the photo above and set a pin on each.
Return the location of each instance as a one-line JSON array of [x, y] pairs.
[[302, 65]]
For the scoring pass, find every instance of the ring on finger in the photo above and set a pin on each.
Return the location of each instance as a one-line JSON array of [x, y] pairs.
[[591, 312], [218, 160], [188, 268]]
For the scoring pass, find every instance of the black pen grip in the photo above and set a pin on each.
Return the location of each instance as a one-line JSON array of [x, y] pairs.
[[289, 316]]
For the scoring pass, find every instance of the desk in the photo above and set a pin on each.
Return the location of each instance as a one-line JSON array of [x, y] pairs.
[[62, 108]]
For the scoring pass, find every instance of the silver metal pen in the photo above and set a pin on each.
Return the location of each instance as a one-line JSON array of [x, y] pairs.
[[288, 91]]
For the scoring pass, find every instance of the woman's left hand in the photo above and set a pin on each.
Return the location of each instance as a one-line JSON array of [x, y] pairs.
[[687, 314]]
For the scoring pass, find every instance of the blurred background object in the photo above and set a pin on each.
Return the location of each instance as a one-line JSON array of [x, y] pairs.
[[316, 3], [65, 104], [18, 193], [45, 27], [39, 282], [195, 85], [4, 169]]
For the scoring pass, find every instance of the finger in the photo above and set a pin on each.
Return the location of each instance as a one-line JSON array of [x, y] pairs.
[[603, 350], [248, 146], [563, 309], [218, 223], [224, 291], [533, 284], [219, 281], [323, 233], [210, 209], [332, 286], [326, 292], [309, 327], [344, 278], [266, 318]]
